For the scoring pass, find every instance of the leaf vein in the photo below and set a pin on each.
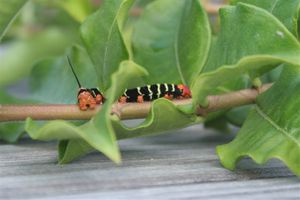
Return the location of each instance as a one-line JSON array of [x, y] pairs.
[[273, 123], [178, 65], [274, 5], [108, 40]]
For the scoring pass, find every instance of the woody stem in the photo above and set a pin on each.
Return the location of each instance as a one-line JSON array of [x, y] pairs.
[[127, 110]]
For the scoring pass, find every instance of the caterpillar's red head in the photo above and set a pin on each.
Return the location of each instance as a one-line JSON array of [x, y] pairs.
[[88, 98], [85, 99], [186, 93]]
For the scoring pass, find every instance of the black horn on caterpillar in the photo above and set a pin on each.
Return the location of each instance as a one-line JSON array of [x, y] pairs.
[[87, 98]]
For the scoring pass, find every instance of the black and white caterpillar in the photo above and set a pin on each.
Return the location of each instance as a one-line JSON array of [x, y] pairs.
[[155, 91], [89, 98]]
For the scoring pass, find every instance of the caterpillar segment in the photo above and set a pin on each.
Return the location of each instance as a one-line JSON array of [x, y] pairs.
[[97, 95]]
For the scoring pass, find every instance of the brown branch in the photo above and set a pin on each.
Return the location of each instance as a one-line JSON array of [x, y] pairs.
[[124, 111], [213, 8], [232, 99]]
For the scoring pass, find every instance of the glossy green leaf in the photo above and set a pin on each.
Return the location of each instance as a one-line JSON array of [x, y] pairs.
[[101, 33], [274, 44], [272, 128], [286, 11], [172, 45], [9, 9]]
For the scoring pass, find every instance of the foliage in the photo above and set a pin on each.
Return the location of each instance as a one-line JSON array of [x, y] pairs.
[[8, 12], [276, 134], [269, 131], [174, 46]]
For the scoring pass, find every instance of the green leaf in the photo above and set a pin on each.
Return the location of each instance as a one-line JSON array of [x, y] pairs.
[[172, 45], [46, 73], [157, 121], [272, 128], [273, 75], [19, 58], [126, 77], [42, 89], [8, 12], [92, 132], [238, 63], [238, 115], [69, 150], [101, 33], [78, 9], [11, 131], [98, 132], [286, 11], [219, 124]]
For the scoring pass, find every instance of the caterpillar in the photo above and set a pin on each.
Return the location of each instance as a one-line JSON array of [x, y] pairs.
[[155, 91], [88, 98]]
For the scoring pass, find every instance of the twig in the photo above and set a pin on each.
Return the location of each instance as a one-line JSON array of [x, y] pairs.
[[124, 111], [213, 8]]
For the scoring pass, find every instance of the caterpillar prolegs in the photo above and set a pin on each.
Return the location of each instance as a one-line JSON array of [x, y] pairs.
[[89, 98]]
